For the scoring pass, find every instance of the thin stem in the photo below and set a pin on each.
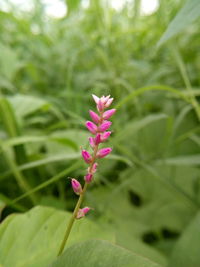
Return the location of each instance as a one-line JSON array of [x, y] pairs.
[[72, 219], [77, 207]]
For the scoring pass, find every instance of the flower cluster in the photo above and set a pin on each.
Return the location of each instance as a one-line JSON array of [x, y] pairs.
[[98, 128]]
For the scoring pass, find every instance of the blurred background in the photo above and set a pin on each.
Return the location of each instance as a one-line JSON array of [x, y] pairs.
[[53, 55]]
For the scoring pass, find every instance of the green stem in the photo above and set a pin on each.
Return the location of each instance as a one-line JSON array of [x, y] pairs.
[[72, 219]]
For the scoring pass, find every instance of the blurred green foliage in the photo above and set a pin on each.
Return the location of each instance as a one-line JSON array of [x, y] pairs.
[[148, 191]]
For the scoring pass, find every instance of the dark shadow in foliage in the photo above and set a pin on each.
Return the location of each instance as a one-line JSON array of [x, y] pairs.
[[169, 234], [134, 198], [150, 237]]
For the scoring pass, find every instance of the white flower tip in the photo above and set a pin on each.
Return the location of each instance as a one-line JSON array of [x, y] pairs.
[[96, 98]]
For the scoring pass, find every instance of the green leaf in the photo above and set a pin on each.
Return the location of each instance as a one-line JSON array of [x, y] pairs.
[[136, 125], [97, 253], [190, 160], [189, 13], [10, 63], [25, 105], [33, 238], [186, 251]]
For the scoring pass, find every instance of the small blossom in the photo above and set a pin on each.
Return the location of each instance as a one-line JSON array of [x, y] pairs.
[[93, 169], [86, 156], [82, 212], [107, 114], [91, 127], [104, 126], [109, 102], [94, 116], [100, 105], [105, 136], [91, 141], [97, 139], [96, 99], [76, 186], [104, 152], [88, 177], [104, 99], [103, 102]]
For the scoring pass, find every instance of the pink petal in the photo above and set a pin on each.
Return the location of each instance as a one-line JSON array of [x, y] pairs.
[[91, 141], [104, 126], [88, 178], [96, 99], [86, 156], [109, 102], [97, 139], [107, 114], [95, 117], [91, 127], [105, 136], [104, 152], [76, 186]]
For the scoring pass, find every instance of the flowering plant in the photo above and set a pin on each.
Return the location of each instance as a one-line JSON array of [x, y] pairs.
[[98, 128]]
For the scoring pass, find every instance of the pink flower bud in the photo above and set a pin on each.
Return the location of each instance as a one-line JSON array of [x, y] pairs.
[[104, 126], [107, 114], [82, 212], [94, 116], [76, 186], [109, 102], [91, 127], [104, 152], [86, 156], [97, 139], [91, 141], [93, 169], [88, 178], [105, 136], [100, 105], [104, 99], [96, 99]]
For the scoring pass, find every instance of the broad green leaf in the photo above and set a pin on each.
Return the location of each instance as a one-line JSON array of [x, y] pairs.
[[189, 13], [186, 251], [166, 201], [9, 62], [97, 253], [26, 104], [33, 238]]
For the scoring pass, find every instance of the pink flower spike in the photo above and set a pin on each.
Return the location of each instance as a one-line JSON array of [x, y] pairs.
[[91, 141], [104, 152], [107, 114], [96, 99], [97, 139], [91, 127], [86, 156], [88, 178], [94, 116], [104, 126], [82, 212], [105, 136], [109, 102], [76, 186]]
